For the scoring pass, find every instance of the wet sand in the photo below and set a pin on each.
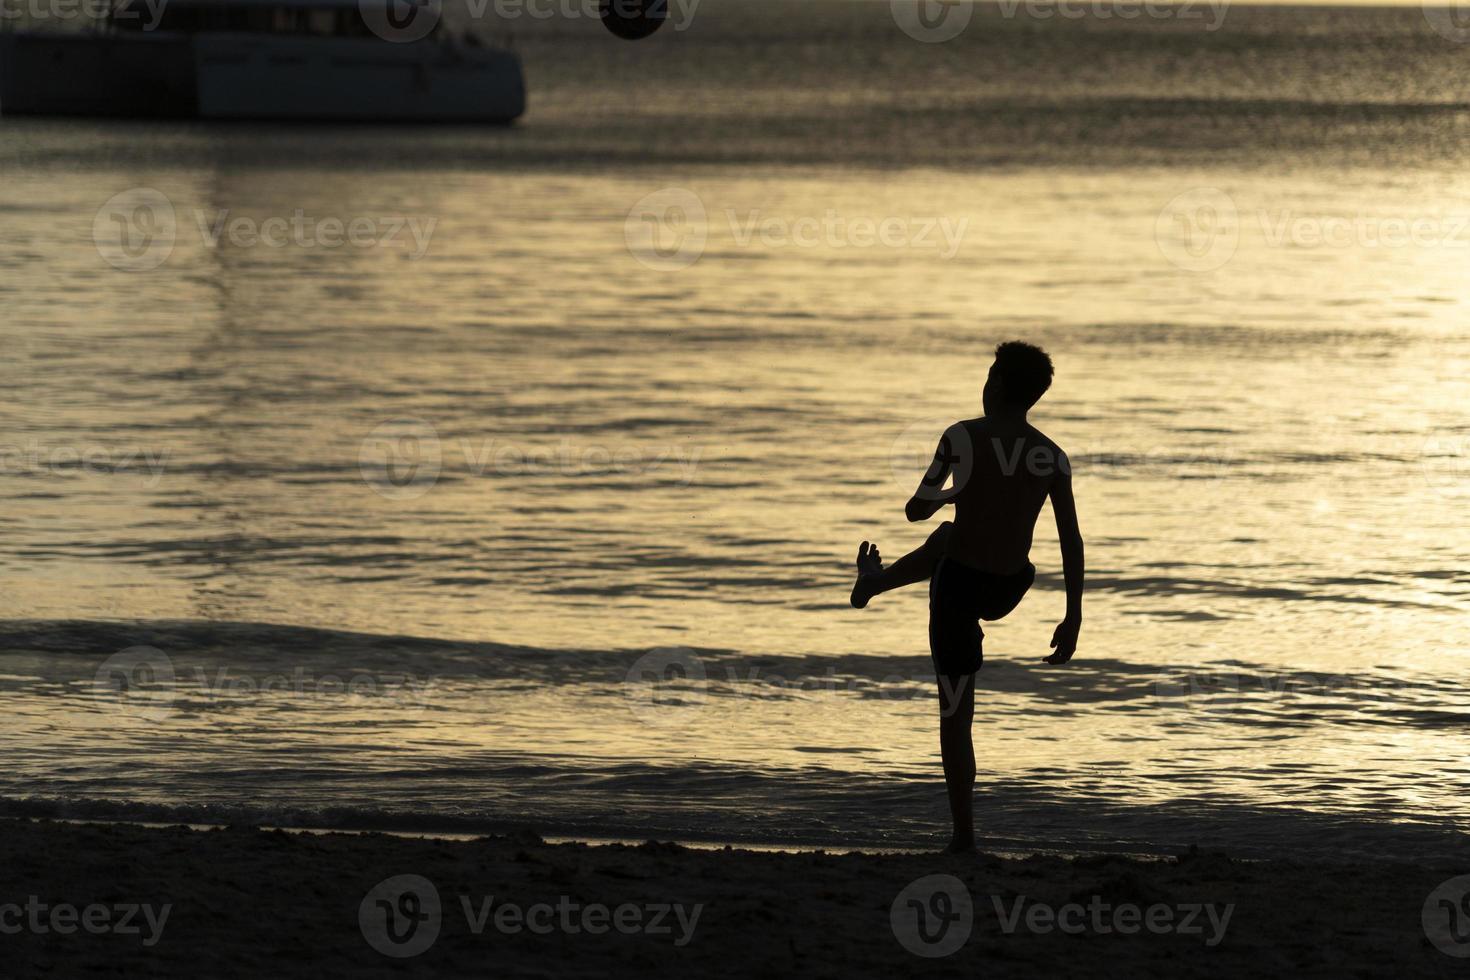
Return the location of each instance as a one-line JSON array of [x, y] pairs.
[[245, 902]]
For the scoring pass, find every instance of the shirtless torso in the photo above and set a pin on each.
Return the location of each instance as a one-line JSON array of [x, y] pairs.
[[1003, 471]]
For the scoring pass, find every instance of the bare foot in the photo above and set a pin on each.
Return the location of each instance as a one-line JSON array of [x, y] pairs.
[[869, 564], [959, 846]]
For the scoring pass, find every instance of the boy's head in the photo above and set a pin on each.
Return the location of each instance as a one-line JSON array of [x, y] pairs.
[[1018, 378]]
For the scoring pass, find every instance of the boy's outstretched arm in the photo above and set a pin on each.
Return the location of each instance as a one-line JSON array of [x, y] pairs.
[[1064, 640], [931, 495]]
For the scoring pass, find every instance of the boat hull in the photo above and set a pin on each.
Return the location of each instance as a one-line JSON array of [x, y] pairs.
[[97, 75], [249, 76]]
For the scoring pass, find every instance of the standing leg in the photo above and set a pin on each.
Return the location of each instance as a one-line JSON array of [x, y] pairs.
[[914, 567], [956, 713]]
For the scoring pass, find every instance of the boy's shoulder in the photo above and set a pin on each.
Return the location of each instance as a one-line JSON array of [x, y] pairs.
[[1056, 452], [984, 426], [1048, 440], [1045, 449]]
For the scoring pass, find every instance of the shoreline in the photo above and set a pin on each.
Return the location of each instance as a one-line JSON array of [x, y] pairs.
[[692, 844], [242, 901], [1171, 753]]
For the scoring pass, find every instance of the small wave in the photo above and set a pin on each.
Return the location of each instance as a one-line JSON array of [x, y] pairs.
[[780, 811], [1250, 696]]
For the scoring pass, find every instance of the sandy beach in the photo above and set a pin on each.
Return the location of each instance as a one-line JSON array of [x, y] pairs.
[[91, 899]]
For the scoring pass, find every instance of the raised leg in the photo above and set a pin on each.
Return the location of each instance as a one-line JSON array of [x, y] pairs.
[[914, 567], [956, 713]]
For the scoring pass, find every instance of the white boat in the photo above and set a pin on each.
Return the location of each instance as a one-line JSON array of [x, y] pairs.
[[262, 59]]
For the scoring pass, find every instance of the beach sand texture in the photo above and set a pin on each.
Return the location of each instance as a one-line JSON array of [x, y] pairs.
[[247, 902]]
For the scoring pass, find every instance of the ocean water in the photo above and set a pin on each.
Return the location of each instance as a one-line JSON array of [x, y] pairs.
[[534, 503]]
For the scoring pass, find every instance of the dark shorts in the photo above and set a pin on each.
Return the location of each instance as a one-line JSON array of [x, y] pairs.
[[961, 596]]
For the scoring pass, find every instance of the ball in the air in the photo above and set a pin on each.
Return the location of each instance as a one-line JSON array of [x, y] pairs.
[[633, 20]]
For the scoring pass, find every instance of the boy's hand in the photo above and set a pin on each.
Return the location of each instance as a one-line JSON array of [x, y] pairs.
[[1064, 641]]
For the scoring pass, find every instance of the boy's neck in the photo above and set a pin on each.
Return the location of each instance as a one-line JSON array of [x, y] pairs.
[[1008, 415]]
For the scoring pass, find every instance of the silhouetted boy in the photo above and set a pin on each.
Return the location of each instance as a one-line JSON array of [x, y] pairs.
[[978, 565]]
